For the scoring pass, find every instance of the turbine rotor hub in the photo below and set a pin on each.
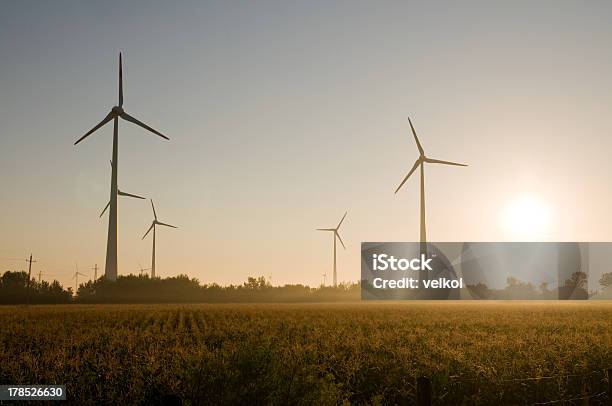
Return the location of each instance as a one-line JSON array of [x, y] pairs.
[[117, 110]]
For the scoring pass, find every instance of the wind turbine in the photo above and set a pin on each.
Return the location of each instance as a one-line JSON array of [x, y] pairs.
[[153, 224], [111, 269], [420, 162], [119, 193], [143, 269], [336, 235]]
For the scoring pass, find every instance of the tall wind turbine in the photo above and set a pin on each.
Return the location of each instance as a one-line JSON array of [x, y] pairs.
[[420, 163], [111, 269], [336, 235], [153, 224]]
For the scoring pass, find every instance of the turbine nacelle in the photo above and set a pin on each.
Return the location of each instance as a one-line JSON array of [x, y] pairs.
[[118, 112], [422, 159], [156, 222], [335, 230], [120, 193]]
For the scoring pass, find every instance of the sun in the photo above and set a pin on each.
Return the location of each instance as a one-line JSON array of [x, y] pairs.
[[527, 217]]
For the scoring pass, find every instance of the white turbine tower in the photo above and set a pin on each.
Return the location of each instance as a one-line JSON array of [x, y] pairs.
[[336, 235], [153, 224], [111, 269]]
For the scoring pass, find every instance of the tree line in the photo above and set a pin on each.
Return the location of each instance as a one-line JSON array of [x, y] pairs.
[[573, 288], [15, 289], [177, 289], [182, 289]]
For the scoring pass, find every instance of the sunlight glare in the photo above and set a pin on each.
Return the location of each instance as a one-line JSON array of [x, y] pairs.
[[527, 217]]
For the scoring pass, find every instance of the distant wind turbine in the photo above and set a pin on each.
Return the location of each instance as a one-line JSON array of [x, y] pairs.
[[336, 235], [153, 224], [111, 269], [143, 269], [420, 162], [119, 193]]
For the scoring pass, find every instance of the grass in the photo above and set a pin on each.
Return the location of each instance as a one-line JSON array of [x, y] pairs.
[[363, 353]]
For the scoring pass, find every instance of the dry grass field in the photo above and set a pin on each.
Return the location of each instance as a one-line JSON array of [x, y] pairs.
[[361, 353]]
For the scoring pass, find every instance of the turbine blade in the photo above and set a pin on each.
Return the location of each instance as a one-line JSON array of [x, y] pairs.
[[108, 118], [437, 161], [416, 138], [105, 207], [345, 213], [325, 229], [120, 193], [338, 235], [167, 225], [127, 117], [150, 228], [120, 81], [416, 164], [154, 214]]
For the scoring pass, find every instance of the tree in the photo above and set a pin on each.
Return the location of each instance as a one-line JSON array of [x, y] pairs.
[[606, 280], [14, 289], [575, 287], [480, 290], [517, 289], [578, 280]]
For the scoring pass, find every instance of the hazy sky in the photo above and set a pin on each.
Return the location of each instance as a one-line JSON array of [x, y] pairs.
[[282, 115]]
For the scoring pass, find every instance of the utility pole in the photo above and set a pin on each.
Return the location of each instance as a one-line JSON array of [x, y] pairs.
[[29, 276], [76, 278], [39, 276], [95, 269], [324, 276]]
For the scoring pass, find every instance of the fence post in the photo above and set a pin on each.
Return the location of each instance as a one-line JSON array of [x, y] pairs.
[[610, 386], [423, 391]]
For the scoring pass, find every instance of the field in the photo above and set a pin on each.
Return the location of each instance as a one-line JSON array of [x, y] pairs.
[[363, 353]]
